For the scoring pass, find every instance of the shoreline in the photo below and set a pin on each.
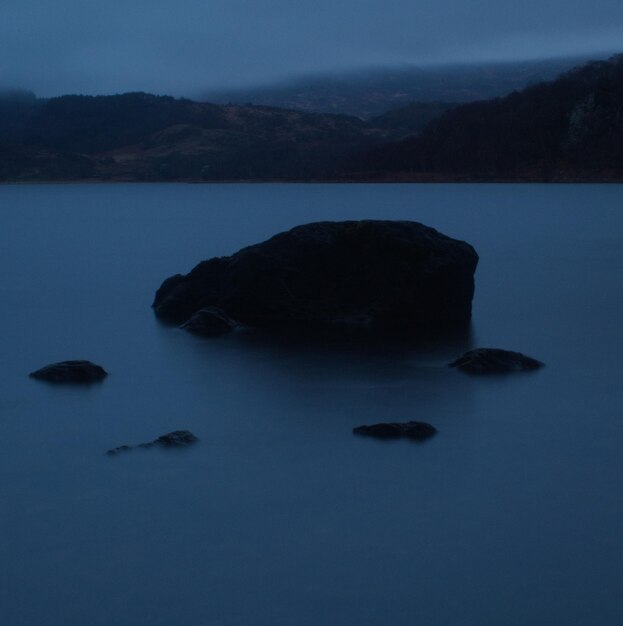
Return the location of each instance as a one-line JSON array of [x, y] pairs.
[[384, 181]]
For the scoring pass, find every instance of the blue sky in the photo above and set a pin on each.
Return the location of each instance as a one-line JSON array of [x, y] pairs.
[[190, 46]]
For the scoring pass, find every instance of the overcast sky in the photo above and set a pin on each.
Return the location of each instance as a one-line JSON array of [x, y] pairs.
[[184, 47]]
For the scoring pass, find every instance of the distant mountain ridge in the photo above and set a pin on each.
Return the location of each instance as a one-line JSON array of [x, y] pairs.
[[567, 129], [370, 93]]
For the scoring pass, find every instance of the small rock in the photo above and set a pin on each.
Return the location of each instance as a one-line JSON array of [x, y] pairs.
[[175, 439], [393, 430], [71, 372], [119, 449], [495, 361], [210, 322]]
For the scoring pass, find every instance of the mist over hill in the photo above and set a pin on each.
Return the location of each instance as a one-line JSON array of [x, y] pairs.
[[372, 92]]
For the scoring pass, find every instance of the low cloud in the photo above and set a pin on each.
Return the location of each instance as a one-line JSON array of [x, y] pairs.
[[191, 46]]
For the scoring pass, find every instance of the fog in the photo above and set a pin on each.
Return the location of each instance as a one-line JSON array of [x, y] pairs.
[[84, 46]]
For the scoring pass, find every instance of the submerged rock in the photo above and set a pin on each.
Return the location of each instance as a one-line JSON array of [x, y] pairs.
[[175, 439], [495, 361], [210, 322], [71, 372], [394, 430], [114, 451], [367, 274]]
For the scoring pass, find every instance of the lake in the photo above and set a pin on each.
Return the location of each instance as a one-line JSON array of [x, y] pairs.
[[280, 516]]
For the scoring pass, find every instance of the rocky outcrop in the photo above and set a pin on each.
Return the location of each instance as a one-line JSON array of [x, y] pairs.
[[210, 322], [395, 430], [71, 372], [364, 274], [495, 361], [175, 439]]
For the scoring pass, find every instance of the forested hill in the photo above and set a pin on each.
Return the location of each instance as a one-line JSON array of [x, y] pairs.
[[139, 136], [567, 129]]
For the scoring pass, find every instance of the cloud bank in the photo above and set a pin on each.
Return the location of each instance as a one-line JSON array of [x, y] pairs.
[[184, 47]]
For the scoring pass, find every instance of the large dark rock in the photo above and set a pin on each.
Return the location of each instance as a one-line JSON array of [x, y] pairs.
[[495, 361], [71, 372], [394, 430], [326, 274], [175, 439]]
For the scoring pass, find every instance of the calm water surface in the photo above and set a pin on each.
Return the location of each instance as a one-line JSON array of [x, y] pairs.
[[280, 516]]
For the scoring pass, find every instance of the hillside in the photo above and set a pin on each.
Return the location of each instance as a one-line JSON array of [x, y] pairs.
[[411, 119], [370, 93], [567, 129], [139, 136]]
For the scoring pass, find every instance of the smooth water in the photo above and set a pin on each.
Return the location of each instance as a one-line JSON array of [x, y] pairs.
[[280, 516]]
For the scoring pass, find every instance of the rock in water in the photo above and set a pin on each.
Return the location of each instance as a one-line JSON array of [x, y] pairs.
[[386, 274], [119, 449], [178, 438], [71, 372], [175, 439], [393, 430], [209, 322], [495, 361]]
